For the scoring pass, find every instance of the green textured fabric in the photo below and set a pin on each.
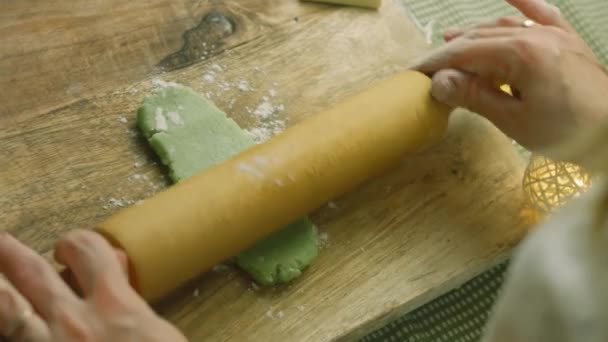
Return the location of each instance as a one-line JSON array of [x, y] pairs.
[[460, 315]]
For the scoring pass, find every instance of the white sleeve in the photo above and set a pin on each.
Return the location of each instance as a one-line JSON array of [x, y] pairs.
[[557, 286]]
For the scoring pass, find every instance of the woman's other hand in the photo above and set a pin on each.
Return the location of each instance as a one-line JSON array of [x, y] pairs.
[[36, 304], [558, 83]]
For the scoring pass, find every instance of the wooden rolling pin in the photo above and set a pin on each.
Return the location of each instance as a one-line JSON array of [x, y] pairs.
[[200, 222]]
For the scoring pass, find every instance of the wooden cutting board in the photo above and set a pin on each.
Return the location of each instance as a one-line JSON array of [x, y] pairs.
[[72, 74]]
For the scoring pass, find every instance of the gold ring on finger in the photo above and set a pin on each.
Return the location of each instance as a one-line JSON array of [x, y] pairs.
[[528, 23]]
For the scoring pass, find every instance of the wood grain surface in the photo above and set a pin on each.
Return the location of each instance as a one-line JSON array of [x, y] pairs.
[[72, 73]]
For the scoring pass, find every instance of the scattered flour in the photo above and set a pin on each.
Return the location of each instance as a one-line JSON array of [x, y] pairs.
[[270, 314], [224, 86], [113, 202], [243, 85], [136, 176], [196, 293], [264, 110], [250, 169], [158, 83], [160, 120], [323, 239], [262, 161], [132, 132], [231, 104], [269, 123], [301, 307], [209, 77], [332, 205], [175, 118]]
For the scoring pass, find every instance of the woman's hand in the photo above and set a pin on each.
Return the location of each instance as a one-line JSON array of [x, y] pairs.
[[560, 87], [36, 304]]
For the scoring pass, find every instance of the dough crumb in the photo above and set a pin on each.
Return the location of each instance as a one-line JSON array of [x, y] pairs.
[[332, 205], [301, 307], [196, 293], [280, 315], [122, 119], [272, 92], [254, 286]]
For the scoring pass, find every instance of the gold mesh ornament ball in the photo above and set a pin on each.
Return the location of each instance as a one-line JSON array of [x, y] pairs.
[[549, 184]]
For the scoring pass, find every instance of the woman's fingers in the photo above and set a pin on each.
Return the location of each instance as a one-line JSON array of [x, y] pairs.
[[33, 277], [504, 22], [68, 276], [493, 59], [18, 321], [459, 89], [542, 12], [492, 32], [92, 262]]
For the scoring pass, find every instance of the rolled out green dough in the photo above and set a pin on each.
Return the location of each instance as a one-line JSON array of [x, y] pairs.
[[189, 134]]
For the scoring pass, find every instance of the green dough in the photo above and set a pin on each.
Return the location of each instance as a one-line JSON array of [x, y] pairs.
[[189, 134], [282, 256]]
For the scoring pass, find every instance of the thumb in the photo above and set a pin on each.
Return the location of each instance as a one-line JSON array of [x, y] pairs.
[[459, 89]]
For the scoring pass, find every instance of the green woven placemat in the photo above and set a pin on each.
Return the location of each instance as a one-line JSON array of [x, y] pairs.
[[460, 315]]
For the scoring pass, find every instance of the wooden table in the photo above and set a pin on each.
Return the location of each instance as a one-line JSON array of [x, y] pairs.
[[73, 72]]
